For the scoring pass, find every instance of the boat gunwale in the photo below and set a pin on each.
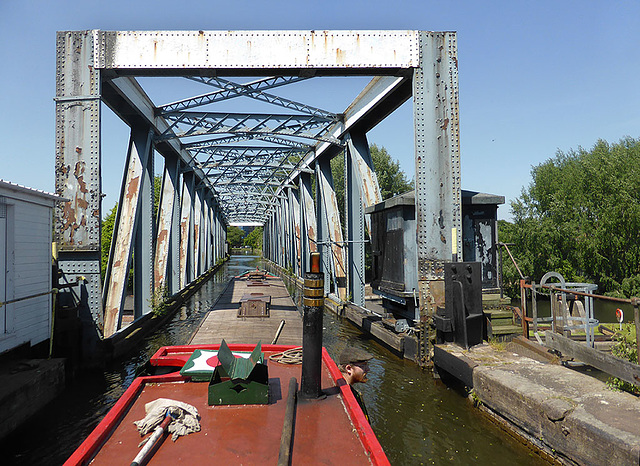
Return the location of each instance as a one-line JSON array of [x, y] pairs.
[[167, 356]]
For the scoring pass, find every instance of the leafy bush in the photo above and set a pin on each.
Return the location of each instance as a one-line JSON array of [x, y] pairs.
[[580, 216], [626, 349]]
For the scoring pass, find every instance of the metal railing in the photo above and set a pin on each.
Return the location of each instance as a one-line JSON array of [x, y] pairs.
[[588, 322]]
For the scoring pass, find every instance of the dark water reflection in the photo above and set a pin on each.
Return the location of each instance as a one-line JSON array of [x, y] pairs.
[[417, 419]]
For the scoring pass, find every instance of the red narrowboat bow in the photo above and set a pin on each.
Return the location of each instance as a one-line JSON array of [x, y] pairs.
[[329, 430]]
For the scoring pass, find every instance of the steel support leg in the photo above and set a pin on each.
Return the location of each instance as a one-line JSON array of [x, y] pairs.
[[355, 229], [331, 228], [308, 221], [294, 203], [438, 197], [185, 228], [78, 159], [144, 240], [167, 214]]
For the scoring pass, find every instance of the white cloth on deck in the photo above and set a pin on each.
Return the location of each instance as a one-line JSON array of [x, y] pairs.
[[185, 417]]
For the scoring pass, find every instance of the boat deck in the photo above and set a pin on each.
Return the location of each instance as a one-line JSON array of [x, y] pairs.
[[331, 430], [222, 322]]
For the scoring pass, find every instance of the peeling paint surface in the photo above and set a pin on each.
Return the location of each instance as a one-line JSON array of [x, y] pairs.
[[123, 238]]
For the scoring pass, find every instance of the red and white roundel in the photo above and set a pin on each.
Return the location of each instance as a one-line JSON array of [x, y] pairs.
[[201, 364]]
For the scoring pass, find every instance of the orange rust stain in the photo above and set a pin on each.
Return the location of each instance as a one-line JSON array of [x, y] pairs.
[[82, 186], [162, 236], [79, 168], [445, 124], [83, 204], [132, 189], [312, 246], [69, 215]]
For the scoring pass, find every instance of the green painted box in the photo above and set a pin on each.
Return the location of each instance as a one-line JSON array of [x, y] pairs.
[[238, 380]]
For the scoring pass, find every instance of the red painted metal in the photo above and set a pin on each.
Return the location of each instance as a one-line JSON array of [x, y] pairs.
[[231, 433], [367, 436]]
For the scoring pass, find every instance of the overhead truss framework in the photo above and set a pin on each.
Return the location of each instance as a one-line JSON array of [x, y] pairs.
[[244, 167]]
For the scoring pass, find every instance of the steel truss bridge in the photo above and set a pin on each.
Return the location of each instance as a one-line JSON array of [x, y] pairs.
[[223, 168]]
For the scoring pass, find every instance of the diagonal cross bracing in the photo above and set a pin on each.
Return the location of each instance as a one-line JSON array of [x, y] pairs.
[[227, 91], [203, 123], [242, 137]]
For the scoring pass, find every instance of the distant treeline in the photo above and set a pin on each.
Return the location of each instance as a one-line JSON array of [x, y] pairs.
[[580, 216]]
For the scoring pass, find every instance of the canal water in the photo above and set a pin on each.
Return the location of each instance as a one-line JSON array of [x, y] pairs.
[[417, 419]]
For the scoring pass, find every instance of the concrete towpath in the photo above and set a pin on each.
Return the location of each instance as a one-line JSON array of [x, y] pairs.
[[222, 322]]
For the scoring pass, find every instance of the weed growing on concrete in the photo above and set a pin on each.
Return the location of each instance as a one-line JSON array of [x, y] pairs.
[[497, 344], [158, 301], [626, 349], [477, 402]]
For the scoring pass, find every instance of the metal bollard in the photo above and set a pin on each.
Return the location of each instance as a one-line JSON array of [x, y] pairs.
[[313, 304]]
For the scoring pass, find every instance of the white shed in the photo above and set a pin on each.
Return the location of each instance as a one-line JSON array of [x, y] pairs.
[[26, 217]]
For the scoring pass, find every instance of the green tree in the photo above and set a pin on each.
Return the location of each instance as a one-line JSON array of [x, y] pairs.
[[580, 216], [105, 240], [254, 239], [157, 189], [391, 179], [235, 236]]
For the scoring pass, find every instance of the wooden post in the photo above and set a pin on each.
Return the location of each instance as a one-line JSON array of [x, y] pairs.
[[636, 318], [523, 300], [534, 307]]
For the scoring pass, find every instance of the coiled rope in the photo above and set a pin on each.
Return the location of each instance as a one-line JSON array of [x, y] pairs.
[[290, 356]]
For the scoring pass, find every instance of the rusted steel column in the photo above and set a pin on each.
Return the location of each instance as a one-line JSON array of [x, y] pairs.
[[308, 224], [265, 239], [331, 228], [284, 230], [77, 171], [185, 226], [294, 203], [288, 231], [358, 149], [166, 252], [438, 196], [277, 228], [204, 234], [124, 229], [196, 233], [209, 235], [144, 240], [361, 191]]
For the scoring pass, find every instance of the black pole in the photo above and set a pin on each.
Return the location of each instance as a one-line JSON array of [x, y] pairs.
[[286, 440], [313, 304]]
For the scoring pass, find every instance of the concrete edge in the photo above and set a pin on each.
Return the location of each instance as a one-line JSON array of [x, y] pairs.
[[559, 425]]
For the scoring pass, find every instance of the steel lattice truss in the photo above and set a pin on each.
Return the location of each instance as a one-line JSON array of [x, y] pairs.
[[247, 157]]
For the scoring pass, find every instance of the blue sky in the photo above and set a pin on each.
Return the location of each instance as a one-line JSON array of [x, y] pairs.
[[535, 77]]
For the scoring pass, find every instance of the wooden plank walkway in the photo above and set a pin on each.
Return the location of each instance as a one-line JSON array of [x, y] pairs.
[[223, 322]]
